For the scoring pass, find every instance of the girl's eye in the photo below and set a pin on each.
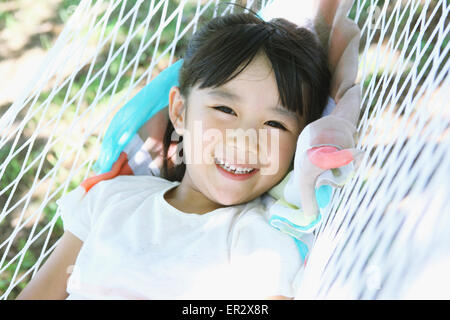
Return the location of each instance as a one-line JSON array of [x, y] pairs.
[[276, 124], [228, 110], [225, 110]]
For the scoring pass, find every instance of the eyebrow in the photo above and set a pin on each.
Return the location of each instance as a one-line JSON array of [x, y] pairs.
[[224, 94], [236, 98], [284, 112]]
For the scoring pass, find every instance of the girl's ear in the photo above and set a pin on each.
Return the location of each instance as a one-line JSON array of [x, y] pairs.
[[177, 110]]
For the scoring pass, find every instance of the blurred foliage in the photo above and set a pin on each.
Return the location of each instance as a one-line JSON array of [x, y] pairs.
[[410, 14], [56, 101]]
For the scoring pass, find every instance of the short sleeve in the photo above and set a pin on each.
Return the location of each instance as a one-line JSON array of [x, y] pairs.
[[269, 258], [77, 209]]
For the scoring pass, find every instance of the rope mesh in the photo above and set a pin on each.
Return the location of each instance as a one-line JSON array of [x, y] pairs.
[[385, 230]]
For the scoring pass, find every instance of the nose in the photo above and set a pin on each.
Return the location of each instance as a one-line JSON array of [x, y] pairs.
[[244, 139], [249, 144]]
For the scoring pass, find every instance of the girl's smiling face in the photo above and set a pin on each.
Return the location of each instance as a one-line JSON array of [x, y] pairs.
[[249, 107]]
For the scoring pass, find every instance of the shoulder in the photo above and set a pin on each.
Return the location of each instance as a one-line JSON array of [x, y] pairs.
[[126, 189], [253, 232], [126, 183]]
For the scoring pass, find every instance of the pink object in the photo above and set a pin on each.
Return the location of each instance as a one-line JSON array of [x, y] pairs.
[[120, 167], [328, 157]]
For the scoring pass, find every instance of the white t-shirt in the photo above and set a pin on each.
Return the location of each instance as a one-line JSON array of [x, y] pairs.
[[138, 246]]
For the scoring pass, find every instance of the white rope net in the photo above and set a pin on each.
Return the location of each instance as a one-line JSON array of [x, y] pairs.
[[387, 233]]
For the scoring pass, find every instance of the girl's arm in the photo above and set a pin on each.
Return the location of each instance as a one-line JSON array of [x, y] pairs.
[[50, 281]]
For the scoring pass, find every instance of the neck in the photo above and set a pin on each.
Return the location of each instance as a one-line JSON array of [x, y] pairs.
[[185, 197]]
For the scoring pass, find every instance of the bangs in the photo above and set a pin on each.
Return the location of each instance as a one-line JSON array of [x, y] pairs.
[[235, 48], [223, 49], [227, 54]]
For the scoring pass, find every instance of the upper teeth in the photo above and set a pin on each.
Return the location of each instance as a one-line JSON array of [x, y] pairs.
[[231, 167]]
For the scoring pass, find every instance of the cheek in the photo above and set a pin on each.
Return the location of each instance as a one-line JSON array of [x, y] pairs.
[[287, 151], [202, 134], [281, 152]]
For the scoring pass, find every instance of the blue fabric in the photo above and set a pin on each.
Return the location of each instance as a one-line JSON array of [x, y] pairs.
[[132, 116], [323, 195], [302, 248], [275, 220]]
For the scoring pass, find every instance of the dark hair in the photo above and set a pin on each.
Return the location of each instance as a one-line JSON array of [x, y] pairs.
[[229, 42]]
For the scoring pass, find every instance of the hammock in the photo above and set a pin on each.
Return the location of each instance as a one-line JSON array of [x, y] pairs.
[[386, 234]]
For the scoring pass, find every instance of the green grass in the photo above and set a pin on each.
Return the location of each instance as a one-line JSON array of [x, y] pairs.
[[13, 168]]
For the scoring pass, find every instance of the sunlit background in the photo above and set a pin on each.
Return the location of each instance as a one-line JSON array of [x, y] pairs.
[[403, 66]]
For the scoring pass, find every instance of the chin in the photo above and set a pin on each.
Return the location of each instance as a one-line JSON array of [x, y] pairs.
[[233, 198], [229, 198]]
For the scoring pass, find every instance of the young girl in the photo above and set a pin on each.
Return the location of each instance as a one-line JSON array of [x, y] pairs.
[[200, 231]]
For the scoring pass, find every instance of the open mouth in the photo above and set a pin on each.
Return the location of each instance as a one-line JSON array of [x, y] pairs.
[[234, 171]]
